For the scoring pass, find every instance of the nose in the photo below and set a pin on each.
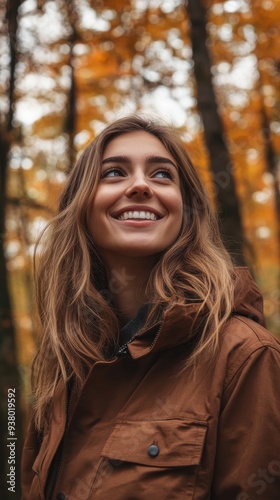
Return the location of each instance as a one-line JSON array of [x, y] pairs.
[[139, 187]]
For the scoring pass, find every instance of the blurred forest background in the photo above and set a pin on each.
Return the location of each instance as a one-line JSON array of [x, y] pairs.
[[69, 67]]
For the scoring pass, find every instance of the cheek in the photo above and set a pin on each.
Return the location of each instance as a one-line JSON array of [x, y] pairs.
[[175, 202], [99, 204], [177, 208]]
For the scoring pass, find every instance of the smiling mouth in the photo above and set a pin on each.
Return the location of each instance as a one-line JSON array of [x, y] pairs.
[[138, 216]]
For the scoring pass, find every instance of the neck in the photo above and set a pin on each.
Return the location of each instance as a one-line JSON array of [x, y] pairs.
[[127, 280]]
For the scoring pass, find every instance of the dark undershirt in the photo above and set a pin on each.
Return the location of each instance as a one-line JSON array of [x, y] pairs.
[[133, 326]]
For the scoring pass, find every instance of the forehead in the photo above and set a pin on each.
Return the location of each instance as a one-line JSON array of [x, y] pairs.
[[136, 143]]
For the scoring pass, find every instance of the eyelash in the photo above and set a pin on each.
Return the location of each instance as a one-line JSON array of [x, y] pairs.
[[163, 169], [112, 169]]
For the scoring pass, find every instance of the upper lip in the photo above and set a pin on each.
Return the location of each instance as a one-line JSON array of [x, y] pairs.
[[136, 208]]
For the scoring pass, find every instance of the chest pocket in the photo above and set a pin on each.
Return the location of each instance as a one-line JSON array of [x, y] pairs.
[[151, 459]]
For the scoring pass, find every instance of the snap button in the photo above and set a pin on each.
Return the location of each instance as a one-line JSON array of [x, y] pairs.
[[153, 450], [61, 496]]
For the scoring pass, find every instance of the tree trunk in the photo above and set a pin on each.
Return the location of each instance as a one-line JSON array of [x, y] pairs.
[[9, 373], [220, 161], [70, 120], [271, 161]]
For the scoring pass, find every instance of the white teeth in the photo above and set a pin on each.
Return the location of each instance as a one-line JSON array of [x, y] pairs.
[[138, 215]]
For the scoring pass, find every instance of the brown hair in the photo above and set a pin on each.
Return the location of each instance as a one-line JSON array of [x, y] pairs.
[[79, 324]]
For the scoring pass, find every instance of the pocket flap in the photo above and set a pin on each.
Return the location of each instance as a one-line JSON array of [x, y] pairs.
[[179, 442]]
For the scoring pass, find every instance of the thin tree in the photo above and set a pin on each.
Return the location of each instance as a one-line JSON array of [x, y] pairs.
[[9, 373], [272, 163], [271, 159], [71, 114], [220, 160]]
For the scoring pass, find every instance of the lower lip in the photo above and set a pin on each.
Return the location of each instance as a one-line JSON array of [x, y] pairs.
[[137, 223]]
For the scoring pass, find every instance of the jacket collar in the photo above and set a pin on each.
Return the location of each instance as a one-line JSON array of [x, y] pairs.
[[180, 323], [176, 327]]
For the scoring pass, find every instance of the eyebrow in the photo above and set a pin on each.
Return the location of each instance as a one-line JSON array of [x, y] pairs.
[[149, 160]]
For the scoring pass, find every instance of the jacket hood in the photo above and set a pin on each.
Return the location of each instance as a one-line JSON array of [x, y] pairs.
[[183, 320], [247, 298]]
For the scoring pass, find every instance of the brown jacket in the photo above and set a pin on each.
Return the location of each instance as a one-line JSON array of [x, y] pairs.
[[138, 430]]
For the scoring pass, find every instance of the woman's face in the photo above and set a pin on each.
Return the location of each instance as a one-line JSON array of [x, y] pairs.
[[137, 209]]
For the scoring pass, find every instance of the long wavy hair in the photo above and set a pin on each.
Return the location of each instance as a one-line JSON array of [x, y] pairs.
[[78, 321]]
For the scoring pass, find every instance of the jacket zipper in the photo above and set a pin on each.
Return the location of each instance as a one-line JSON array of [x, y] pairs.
[[156, 336], [123, 348], [58, 458]]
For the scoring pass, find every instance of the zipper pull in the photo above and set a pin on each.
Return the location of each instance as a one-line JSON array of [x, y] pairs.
[[122, 350]]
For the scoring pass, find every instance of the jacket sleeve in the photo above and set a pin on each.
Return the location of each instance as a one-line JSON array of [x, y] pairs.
[[30, 451], [247, 464]]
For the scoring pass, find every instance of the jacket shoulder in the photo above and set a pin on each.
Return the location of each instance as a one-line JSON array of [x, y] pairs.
[[248, 333], [243, 340]]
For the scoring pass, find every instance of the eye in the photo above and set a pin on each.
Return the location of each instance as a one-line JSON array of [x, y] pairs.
[[164, 173], [112, 172]]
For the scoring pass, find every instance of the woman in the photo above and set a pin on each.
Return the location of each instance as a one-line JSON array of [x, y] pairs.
[[155, 377]]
